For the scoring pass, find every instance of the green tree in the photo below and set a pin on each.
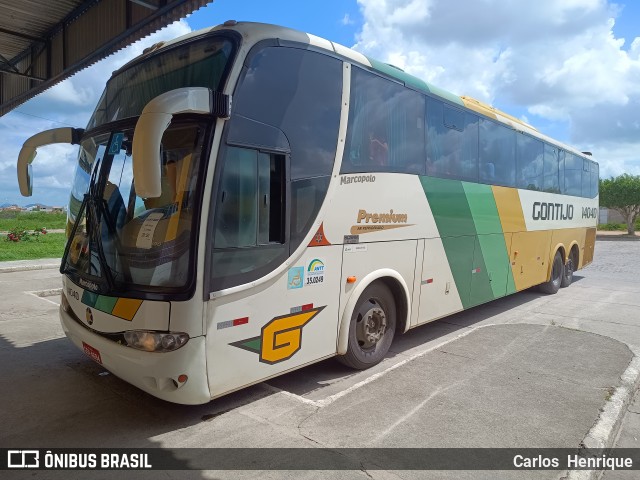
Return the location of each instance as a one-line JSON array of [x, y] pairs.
[[622, 194]]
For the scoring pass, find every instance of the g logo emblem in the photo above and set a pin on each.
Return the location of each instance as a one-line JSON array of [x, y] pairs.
[[89, 316], [281, 338]]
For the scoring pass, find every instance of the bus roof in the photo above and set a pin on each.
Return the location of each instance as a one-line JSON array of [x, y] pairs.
[[253, 32]]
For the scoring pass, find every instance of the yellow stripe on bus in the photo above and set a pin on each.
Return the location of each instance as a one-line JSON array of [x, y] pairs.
[[509, 209], [126, 308]]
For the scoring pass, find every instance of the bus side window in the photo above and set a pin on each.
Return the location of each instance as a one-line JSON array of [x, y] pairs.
[[497, 154], [250, 227], [452, 142], [572, 175], [595, 180], [551, 181], [386, 127], [530, 160], [586, 178]]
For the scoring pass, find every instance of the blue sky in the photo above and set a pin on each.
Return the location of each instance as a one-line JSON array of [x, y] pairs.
[[571, 68]]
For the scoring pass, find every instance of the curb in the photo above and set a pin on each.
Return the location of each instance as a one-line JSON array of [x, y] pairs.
[[606, 429], [24, 268], [614, 238]]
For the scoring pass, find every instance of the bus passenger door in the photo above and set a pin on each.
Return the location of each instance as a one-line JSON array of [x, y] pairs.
[[268, 312]]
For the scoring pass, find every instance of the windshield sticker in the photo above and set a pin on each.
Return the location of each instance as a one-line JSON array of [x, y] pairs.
[[295, 278], [116, 143], [145, 234], [355, 248], [281, 338], [315, 272]]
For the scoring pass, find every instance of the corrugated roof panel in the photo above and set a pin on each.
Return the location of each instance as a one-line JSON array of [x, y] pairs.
[[78, 33]]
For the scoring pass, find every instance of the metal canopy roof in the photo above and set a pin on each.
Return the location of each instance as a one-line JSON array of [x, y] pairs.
[[42, 42]]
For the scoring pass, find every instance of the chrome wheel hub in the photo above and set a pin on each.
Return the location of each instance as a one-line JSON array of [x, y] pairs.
[[371, 327]]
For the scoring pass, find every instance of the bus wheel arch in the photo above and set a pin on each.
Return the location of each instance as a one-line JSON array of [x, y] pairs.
[[395, 284]]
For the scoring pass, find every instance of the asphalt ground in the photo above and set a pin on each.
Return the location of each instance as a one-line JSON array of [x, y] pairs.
[[529, 370]]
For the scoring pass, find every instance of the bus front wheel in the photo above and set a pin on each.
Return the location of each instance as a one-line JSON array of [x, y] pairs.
[[557, 272], [372, 328]]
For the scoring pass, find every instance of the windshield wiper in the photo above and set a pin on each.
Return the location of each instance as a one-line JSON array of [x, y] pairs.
[[90, 212], [93, 209]]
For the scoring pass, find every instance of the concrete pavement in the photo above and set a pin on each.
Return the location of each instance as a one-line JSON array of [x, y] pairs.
[[528, 370], [25, 265]]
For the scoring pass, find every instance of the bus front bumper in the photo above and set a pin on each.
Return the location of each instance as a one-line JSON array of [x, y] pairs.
[[155, 373]]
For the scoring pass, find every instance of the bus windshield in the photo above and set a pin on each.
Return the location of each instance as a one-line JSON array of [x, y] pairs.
[[119, 240], [203, 63]]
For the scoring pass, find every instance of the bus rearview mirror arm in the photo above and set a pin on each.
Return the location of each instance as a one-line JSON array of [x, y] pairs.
[[29, 151], [153, 122]]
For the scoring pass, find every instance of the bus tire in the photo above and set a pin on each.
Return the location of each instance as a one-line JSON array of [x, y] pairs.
[[569, 268], [372, 328], [557, 272]]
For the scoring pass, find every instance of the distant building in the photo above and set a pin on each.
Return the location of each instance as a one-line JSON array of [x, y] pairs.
[[610, 216], [12, 208]]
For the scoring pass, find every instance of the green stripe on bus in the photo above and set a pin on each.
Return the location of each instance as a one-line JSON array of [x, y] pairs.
[[456, 227], [89, 298], [491, 239], [106, 304], [469, 225], [414, 82]]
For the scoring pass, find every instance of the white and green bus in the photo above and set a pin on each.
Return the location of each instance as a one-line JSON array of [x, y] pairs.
[[250, 199]]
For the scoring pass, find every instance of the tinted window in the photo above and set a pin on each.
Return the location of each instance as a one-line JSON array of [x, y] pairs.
[[561, 155], [572, 175], [199, 64], [497, 154], [386, 127], [530, 160], [306, 199], [249, 230], [298, 92], [594, 179], [452, 142], [550, 171]]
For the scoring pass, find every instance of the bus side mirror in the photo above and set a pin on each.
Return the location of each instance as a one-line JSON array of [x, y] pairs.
[[155, 119], [29, 151]]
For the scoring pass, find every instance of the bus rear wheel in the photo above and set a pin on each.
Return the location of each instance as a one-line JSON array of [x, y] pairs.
[[569, 268], [372, 328], [557, 272]]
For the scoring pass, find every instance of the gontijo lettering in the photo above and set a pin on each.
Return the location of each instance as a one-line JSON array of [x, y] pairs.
[[552, 211]]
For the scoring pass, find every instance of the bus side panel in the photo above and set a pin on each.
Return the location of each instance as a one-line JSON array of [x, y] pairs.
[[589, 246], [530, 256], [491, 254], [490, 272], [567, 237], [365, 258], [277, 326], [438, 292]]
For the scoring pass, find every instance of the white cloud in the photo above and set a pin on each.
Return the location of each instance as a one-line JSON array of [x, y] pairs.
[[346, 20], [558, 60]]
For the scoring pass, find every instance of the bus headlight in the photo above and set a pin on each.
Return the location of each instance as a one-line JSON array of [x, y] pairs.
[[155, 341]]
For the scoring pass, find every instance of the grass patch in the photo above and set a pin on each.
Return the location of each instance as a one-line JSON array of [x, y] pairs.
[[32, 220], [612, 227], [615, 227], [50, 245]]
